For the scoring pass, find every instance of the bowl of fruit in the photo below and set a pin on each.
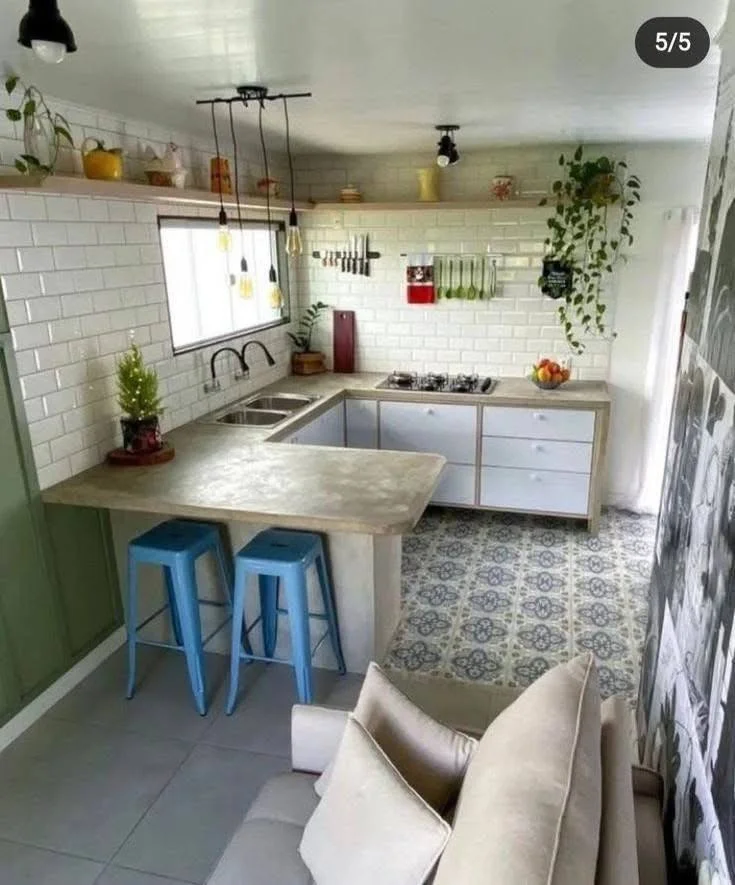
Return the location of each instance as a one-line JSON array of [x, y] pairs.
[[548, 374]]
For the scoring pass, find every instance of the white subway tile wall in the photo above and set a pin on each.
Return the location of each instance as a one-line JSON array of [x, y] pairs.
[[501, 337], [74, 309]]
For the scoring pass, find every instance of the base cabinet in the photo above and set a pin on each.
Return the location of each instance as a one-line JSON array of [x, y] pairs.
[[361, 423], [456, 485], [328, 429], [541, 491]]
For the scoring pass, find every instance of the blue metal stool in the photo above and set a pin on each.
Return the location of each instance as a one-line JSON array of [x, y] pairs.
[[175, 546], [273, 555]]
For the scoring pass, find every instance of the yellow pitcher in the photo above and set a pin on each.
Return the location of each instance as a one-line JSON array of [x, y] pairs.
[[101, 163]]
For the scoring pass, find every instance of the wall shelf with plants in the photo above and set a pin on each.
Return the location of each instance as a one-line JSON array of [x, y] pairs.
[[418, 206]]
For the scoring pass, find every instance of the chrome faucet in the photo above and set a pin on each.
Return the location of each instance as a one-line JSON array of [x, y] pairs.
[[223, 350], [269, 358]]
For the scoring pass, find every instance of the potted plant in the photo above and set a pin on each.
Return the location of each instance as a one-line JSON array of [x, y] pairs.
[[43, 129], [306, 361], [586, 239], [137, 395]]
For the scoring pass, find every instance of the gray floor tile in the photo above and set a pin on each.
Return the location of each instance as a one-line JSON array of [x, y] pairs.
[[25, 865], [343, 694], [163, 705], [187, 829], [120, 876], [81, 789], [261, 721]]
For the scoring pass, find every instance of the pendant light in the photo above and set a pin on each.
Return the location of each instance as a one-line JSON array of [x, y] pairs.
[[447, 155], [224, 238], [245, 281], [275, 296], [43, 30], [294, 245]]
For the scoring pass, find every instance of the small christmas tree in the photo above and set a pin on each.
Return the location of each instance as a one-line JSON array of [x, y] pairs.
[[137, 387]]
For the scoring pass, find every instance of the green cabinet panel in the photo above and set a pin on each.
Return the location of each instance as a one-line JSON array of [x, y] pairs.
[[84, 561], [34, 645]]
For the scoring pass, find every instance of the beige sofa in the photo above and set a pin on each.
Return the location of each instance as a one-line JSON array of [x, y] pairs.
[[265, 849]]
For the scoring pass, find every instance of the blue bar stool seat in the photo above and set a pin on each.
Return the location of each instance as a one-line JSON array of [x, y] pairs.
[[176, 545], [277, 555]]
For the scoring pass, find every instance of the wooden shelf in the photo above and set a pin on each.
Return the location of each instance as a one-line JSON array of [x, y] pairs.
[[525, 203], [77, 186]]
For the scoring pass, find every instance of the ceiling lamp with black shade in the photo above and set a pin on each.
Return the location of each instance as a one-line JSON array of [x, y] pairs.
[[275, 296], [447, 155], [46, 32], [245, 281], [294, 245], [224, 238]]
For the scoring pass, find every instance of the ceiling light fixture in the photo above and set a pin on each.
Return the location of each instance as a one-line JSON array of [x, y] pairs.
[[245, 282], [43, 30], [224, 238], [447, 155], [275, 296], [294, 246]]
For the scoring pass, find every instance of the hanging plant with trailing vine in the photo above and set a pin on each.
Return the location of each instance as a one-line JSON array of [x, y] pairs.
[[586, 240]]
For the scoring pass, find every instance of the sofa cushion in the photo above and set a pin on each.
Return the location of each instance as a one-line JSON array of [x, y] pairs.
[[529, 809], [370, 826], [287, 797], [431, 757], [617, 862], [263, 852]]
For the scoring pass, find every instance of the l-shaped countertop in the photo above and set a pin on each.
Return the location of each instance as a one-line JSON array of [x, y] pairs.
[[241, 474]]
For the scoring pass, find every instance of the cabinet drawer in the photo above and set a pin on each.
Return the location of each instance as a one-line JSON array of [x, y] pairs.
[[545, 491], [434, 427], [569, 424], [536, 454], [456, 485]]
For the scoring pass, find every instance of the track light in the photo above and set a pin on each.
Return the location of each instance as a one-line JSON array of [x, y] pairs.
[[447, 155], [43, 30]]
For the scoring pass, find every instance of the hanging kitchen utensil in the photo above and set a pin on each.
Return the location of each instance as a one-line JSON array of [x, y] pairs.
[[367, 256], [493, 283], [439, 278], [472, 290], [461, 293]]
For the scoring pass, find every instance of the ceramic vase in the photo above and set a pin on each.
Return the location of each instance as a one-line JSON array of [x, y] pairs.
[[503, 187], [429, 185], [40, 140]]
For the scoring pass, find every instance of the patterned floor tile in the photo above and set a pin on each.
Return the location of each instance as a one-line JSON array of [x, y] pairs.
[[500, 598]]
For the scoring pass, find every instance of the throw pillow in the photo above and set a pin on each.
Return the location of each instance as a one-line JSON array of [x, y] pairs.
[[431, 757], [370, 826], [529, 808]]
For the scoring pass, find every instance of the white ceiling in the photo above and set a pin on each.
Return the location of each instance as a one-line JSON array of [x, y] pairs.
[[384, 72]]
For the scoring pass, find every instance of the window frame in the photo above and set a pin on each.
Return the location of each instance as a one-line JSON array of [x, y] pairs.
[[282, 268]]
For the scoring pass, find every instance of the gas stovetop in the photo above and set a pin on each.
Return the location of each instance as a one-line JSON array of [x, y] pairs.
[[435, 382]]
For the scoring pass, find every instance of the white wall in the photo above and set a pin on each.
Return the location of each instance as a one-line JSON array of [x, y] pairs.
[[80, 275], [500, 337]]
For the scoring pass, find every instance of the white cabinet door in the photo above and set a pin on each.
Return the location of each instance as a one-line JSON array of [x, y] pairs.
[[361, 417], [456, 485], [545, 491], [442, 429], [326, 430], [571, 424]]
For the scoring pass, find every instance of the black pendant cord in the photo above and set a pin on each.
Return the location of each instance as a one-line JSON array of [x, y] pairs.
[[288, 152], [272, 272], [219, 168], [243, 263]]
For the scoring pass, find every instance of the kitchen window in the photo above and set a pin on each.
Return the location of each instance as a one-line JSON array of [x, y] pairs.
[[205, 300]]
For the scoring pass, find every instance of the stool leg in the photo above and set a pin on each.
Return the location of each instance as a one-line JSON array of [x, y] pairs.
[[268, 588], [238, 619], [132, 620], [225, 569], [298, 614], [330, 609], [185, 591], [175, 622]]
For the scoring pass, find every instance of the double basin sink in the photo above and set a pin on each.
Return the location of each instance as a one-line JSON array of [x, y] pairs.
[[265, 411]]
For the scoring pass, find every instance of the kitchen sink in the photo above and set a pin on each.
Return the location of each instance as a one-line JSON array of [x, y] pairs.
[[253, 417], [279, 402]]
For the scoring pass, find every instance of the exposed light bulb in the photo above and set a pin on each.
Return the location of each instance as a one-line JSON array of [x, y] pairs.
[[245, 284], [275, 296], [48, 51], [294, 244], [442, 161], [224, 237]]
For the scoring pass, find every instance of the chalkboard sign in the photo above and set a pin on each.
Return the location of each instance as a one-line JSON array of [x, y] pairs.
[[557, 278]]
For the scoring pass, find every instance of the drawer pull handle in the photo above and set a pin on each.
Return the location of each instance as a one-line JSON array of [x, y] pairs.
[[539, 416], [537, 447], [534, 477], [429, 411]]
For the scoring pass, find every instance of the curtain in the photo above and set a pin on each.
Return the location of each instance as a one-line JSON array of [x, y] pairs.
[[677, 259]]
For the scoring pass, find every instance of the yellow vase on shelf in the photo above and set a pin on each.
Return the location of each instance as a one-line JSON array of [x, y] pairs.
[[100, 163], [429, 185]]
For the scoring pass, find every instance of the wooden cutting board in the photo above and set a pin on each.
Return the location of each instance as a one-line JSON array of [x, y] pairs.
[[343, 341]]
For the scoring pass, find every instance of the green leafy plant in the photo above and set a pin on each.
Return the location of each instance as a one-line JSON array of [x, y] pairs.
[[31, 105], [587, 238], [305, 329], [137, 387]]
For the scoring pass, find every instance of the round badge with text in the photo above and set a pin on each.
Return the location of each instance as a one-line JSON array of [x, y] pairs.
[[672, 42]]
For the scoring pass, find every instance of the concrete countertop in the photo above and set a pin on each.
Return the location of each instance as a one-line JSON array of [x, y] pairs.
[[242, 474]]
